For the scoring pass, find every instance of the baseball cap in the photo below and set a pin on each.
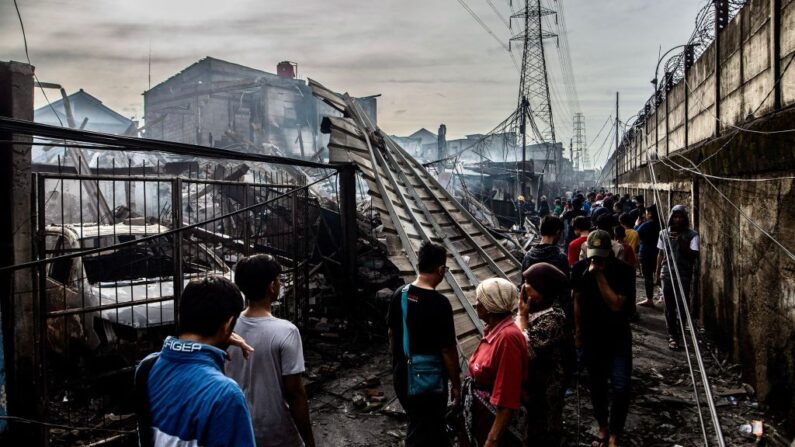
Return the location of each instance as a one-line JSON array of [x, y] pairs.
[[598, 244]]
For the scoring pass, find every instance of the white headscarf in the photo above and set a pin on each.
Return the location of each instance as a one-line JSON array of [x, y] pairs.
[[497, 295]]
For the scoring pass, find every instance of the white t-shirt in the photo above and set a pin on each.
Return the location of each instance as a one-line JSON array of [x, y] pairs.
[[277, 352], [693, 242]]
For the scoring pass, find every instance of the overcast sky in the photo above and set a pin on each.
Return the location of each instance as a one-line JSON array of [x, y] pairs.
[[429, 59]]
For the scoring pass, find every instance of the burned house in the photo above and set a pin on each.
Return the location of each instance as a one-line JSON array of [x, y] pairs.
[[88, 112], [221, 104]]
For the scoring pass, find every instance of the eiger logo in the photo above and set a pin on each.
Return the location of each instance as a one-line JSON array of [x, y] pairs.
[[183, 347]]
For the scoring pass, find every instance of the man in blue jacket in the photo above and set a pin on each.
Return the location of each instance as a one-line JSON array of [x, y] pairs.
[[190, 401]]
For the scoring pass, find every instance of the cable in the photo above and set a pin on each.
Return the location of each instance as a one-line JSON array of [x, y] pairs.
[[172, 231], [499, 14], [742, 213], [27, 56], [679, 168], [704, 379], [485, 26], [488, 135], [609, 119], [667, 248], [65, 427]]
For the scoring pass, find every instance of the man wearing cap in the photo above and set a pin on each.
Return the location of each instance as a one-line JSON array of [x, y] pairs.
[[604, 290]]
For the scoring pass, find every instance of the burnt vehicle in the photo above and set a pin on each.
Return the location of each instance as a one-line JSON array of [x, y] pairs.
[[88, 297]]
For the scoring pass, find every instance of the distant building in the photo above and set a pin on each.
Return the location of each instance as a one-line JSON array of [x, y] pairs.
[[85, 108], [221, 104]]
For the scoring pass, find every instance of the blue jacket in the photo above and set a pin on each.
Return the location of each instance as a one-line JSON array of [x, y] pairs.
[[191, 401]]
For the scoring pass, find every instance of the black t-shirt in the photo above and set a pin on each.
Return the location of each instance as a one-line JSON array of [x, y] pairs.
[[597, 320], [430, 323]]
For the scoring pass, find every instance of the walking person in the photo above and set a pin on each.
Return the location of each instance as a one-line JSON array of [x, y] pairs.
[[493, 412], [543, 324], [182, 395], [649, 233], [630, 235], [582, 227], [569, 216], [620, 235], [543, 207], [604, 289], [638, 211], [421, 328], [547, 249], [683, 250], [271, 379]]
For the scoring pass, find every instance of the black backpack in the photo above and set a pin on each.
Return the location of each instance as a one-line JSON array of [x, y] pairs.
[[142, 401]]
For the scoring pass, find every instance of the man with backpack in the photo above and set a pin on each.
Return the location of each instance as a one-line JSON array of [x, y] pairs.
[[422, 339]]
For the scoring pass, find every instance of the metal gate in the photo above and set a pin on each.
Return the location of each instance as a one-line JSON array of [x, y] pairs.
[[123, 245]]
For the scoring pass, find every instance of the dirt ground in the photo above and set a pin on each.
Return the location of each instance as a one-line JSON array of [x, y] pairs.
[[662, 413]]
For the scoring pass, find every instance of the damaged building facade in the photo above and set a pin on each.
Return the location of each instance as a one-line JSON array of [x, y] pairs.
[[221, 104]]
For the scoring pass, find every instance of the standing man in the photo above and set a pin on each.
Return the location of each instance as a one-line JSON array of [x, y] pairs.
[[649, 235], [632, 238], [543, 207], [431, 332], [271, 379], [604, 289], [547, 250], [582, 227], [683, 252], [182, 395], [569, 216], [639, 210]]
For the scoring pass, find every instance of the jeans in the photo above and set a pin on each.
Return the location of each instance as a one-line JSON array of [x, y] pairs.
[[647, 265], [426, 423], [671, 318], [610, 360]]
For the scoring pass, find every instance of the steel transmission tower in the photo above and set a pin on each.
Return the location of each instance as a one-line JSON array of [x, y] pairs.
[[534, 82], [580, 151]]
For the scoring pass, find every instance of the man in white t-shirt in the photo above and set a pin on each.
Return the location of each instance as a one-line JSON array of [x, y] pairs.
[[679, 244], [271, 378]]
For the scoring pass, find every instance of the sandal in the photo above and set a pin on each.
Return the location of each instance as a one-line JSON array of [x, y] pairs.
[[673, 345]]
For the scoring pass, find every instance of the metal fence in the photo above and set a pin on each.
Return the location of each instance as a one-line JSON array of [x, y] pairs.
[[122, 245]]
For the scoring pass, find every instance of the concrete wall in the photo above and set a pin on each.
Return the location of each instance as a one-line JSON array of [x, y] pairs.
[[745, 294]]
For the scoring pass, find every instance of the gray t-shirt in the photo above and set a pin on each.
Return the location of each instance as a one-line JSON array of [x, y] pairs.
[[277, 352]]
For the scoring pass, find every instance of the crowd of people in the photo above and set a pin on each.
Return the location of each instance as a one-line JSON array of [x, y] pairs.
[[232, 376], [571, 313]]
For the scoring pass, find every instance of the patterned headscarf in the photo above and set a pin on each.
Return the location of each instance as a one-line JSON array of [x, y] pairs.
[[497, 295]]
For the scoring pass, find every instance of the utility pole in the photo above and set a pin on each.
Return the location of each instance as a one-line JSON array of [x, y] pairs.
[[571, 153], [523, 129], [615, 158]]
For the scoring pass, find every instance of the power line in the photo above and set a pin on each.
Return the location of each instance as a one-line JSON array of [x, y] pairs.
[[679, 295], [739, 210], [484, 25], [27, 56], [499, 14]]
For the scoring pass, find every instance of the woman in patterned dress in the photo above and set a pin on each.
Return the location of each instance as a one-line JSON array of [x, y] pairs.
[[543, 324]]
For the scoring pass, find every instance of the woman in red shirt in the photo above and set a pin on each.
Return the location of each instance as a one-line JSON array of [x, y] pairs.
[[493, 411]]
